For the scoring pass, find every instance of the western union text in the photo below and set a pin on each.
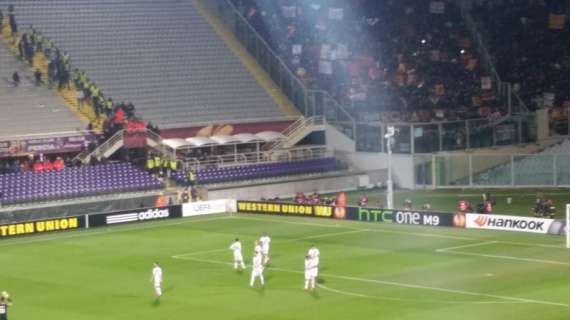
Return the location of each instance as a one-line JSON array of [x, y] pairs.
[[285, 208], [17, 229]]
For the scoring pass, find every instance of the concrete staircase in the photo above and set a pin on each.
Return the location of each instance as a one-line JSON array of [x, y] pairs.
[[297, 131]]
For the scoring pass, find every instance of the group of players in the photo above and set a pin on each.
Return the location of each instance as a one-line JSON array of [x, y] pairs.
[[261, 259]]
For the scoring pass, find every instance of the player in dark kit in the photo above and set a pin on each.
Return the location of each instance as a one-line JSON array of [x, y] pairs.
[[5, 302]]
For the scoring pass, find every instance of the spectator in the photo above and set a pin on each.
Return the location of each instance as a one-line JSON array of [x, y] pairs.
[[80, 96], [383, 60], [300, 198], [15, 79], [38, 166], [363, 202], [38, 77], [58, 164], [538, 60], [160, 201], [13, 25], [48, 165]]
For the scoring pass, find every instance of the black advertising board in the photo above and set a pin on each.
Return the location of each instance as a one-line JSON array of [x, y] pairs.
[[399, 216], [11, 230], [136, 215], [427, 218], [369, 214], [284, 208]]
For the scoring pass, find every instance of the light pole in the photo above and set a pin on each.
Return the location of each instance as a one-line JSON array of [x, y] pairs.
[[390, 131]]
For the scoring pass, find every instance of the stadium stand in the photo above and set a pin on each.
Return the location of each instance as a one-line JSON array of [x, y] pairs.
[[262, 171], [24, 187], [29, 109], [536, 169], [425, 68], [537, 59], [160, 55]]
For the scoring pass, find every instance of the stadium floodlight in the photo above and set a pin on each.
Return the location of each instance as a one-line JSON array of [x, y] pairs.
[[567, 226], [390, 132]]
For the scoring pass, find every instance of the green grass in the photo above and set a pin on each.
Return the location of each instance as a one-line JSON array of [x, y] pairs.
[[446, 200], [368, 271]]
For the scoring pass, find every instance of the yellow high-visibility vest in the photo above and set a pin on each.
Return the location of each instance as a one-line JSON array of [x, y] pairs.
[[149, 163]]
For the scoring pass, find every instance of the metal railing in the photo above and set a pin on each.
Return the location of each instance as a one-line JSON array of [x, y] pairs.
[[24, 137], [504, 89], [473, 133], [484, 170], [234, 159], [447, 136], [293, 131], [308, 102], [159, 146], [98, 153]]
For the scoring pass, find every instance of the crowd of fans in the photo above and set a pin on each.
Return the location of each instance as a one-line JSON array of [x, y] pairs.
[[40, 163], [394, 60], [529, 42]]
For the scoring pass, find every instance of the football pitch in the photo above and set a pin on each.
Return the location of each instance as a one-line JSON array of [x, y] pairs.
[[368, 271]]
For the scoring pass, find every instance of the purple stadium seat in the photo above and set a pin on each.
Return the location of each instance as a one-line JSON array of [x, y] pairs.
[[75, 182], [265, 170]]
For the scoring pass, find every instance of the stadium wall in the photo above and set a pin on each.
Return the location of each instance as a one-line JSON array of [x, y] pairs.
[[364, 214], [287, 189], [139, 215], [402, 165], [338, 141], [62, 209]]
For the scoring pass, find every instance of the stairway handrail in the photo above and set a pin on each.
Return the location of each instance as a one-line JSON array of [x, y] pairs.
[[104, 146], [290, 73]]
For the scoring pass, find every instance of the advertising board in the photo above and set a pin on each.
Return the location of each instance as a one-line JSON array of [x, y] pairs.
[[507, 223], [284, 208], [18, 147], [138, 215], [399, 216], [369, 214], [41, 226], [425, 218], [208, 207]]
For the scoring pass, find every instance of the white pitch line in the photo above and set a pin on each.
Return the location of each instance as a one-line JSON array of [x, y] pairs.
[[324, 235], [360, 295], [538, 245], [479, 244], [179, 256], [92, 232], [493, 256], [453, 250], [401, 285]]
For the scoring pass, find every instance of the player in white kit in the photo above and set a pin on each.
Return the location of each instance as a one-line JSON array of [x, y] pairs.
[[257, 270], [256, 248], [238, 257], [265, 242], [156, 279], [315, 255], [309, 273]]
